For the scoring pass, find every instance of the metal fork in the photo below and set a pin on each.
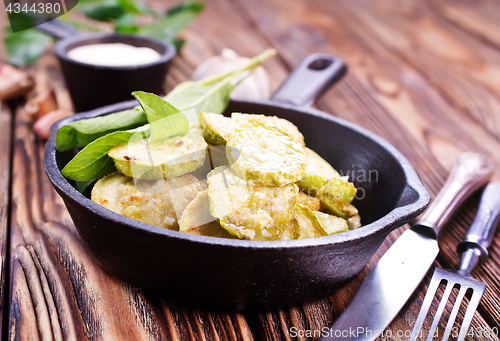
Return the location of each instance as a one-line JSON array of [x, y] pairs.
[[474, 249]]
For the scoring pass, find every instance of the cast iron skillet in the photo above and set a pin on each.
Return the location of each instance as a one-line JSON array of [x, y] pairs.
[[92, 86], [239, 274]]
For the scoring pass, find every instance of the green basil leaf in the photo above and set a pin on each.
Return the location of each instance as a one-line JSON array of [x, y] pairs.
[[143, 8], [126, 24], [93, 162], [81, 186], [173, 22], [191, 6], [165, 120], [25, 47], [178, 43], [136, 7], [102, 10], [81, 133], [20, 21], [211, 94], [201, 97]]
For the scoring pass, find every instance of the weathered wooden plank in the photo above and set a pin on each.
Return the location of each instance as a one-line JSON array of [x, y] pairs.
[[458, 130], [85, 302], [461, 67], [383, 92], [59, 292], [5, 169], [478, 18]]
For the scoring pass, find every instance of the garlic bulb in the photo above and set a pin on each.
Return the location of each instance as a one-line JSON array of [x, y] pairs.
[[255, 86]]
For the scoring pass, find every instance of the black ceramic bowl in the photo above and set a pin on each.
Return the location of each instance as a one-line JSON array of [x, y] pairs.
[[92, 86], [237, 274]]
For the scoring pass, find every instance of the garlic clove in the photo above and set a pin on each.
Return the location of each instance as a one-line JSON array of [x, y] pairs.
[[14, 82], [255, 86], [43, 124], [42, 104]]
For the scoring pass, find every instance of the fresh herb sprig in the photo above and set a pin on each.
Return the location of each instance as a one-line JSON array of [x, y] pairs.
[[81, 133], [165, 120], [209, 94], [93, 162]]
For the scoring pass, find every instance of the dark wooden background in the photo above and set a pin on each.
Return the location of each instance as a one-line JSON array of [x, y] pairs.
[[423, 74]]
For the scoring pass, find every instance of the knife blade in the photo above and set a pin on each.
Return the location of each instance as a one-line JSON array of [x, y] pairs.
[[400, 270]]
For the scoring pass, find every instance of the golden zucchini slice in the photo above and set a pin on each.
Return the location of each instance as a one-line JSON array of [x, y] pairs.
[[197, 219], [270, 121], [182, 191], [216, 128], [247, 210], [312, 202], [149, 202], [308, 223], [290, 231], [322, 180], [161, 159], [266, 155], [354, 222], [317, 171], [336, 196], [331, 224]]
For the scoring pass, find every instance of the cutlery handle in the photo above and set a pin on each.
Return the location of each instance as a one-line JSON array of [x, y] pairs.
[[474, 248], [469, 172]]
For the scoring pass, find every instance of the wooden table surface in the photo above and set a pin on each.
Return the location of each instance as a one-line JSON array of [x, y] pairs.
[[424, 75]]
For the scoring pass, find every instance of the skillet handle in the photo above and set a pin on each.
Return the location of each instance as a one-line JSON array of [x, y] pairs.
[[58, 29], [314, 75]]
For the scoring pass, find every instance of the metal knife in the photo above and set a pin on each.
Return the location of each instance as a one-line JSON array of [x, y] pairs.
[[403, 266]]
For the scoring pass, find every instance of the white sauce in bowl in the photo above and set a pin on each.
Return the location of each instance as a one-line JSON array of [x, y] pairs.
[[115, 54]]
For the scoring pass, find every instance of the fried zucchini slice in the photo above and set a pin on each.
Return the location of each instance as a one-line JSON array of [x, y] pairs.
[[322, 180], [216, 128], [266, 155], [312, 202], [336, 196], [308, 223], [182, 191], [290, 231], [107, 191], [270, 121], [248, 210], [312, 224], [197, 219], [149, 202], [331, 224], [354, 222], [160, 159], [317, 172]]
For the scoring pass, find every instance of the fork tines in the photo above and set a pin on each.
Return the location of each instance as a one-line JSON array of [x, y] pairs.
[[452, 279]]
